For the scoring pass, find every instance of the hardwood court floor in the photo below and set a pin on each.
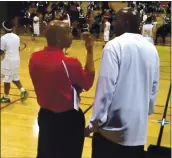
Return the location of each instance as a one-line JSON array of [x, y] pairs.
[[19, 129]]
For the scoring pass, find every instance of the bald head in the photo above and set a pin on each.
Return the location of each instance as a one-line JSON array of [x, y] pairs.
[[127, 20], [58, 34]]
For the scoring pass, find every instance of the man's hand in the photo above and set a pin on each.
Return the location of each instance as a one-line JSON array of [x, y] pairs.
[[87, 132], [89, 65], [87, 37]]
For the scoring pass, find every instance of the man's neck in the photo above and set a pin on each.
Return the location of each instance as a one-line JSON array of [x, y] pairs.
[[57, 47], [7, 32]]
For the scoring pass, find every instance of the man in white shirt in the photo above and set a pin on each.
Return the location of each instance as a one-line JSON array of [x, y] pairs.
[[106, 30], [10, 64], [126, 91]]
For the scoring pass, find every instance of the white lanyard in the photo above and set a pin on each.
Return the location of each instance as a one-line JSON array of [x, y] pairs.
[[75, 95]]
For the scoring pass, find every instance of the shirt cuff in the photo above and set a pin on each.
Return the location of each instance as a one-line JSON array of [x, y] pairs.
[[92, 128], [90, 73]]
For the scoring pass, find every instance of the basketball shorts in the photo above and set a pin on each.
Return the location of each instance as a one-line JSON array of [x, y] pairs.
[[9, 75], [106, 36], [10, 78]]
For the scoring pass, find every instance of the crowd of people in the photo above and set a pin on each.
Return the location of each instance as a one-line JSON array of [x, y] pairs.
[[35, 14], [151, 7], [80, 20], [149, 12]]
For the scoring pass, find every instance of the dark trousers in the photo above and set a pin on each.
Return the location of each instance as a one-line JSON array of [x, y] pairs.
[[61, 135], [103, 148]]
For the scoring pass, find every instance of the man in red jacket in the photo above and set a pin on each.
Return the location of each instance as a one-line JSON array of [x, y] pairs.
[[58, 81]]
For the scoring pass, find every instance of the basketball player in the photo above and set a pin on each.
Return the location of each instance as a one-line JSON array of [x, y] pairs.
[[85, 27], [126, 91], [10, 65], [36, 26], [148, 30], [106, 30], [58, 80]]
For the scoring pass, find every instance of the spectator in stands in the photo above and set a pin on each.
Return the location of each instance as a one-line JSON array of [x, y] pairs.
[[95, 28], [90, 6], [41, 6], [48, 16], [107, 14], [28, 22]]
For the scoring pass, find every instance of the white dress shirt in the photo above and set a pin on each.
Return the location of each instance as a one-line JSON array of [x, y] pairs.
[[126, 89]]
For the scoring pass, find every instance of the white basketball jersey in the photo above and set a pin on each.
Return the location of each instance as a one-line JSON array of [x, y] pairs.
[[107, 26], [147, 30]]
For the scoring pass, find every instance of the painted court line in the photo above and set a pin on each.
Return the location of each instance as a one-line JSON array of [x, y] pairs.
[[9, 104], [32, 98], [23, 47]]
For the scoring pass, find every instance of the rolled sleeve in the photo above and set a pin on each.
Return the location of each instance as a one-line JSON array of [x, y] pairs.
[[105, 88]]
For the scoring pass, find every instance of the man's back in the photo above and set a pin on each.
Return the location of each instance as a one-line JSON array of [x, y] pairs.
[[10, 43], [133, 99], [54, 90]]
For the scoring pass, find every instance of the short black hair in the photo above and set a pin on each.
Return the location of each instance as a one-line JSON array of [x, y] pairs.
[[149, 20]]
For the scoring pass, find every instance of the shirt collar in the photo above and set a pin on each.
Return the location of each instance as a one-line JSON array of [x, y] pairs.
[[54, 49]]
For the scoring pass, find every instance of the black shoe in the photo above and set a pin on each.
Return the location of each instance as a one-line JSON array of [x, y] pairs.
[[5, 100], [24, 96]]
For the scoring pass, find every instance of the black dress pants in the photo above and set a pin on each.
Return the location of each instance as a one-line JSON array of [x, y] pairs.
[[103, 148], [61, 135]]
